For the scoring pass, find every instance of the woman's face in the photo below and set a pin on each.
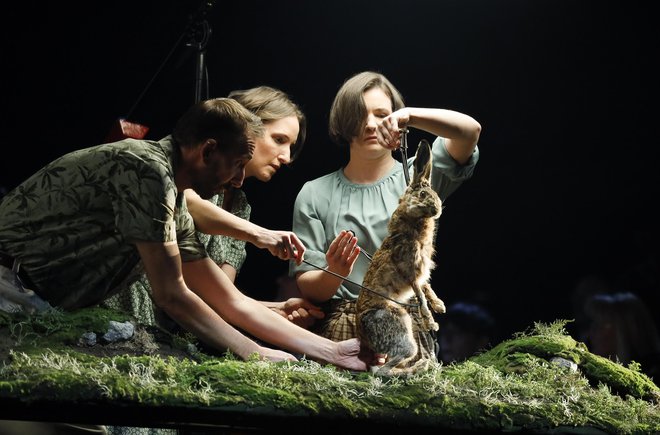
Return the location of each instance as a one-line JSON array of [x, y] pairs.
[[273, 149], [378, 106]]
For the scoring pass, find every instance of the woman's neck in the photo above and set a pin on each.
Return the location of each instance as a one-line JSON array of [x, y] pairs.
[[368, 171]]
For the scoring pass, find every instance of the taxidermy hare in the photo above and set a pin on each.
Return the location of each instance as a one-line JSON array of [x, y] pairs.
[[400, 269]]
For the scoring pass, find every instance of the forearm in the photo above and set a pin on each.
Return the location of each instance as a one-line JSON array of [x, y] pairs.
[[230, 271], [317, 285], [260, 321], [461, 131], [211, 219], [195, 316], [162, 263], [445, 123]]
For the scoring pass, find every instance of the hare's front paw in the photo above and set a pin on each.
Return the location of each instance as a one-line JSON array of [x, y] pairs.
[[438, 306], [430, 324]]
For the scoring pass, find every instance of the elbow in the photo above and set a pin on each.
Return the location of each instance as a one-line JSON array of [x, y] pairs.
[[475, 132], [303, 289], [167, 302], [173, 300], [308, 290]]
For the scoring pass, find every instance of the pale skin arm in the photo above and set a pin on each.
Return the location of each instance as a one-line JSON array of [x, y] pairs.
[[211, 219], [216, 290], [229, 270], [163, 267], [319, 286], [460, 131], [299, 311]]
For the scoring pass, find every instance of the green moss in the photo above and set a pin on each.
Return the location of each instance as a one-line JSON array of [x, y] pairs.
[[548, 341], [56, 326], [512, 387]]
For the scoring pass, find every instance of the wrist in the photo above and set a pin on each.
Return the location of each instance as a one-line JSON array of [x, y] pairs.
[[249, 349], [411, 116], [254, 234], [328, 351]]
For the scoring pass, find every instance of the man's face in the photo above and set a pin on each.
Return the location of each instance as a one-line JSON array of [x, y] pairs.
[[222, 170]]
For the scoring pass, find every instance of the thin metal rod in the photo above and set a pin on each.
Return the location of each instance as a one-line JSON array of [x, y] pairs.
[[361, 286], [404, 154]]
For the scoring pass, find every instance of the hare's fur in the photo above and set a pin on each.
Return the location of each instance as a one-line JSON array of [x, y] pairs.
[[400, 269]]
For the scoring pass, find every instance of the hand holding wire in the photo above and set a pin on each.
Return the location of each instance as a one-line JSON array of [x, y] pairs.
[[389, 132]]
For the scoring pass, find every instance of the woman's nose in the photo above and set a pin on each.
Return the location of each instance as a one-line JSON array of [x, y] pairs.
[[372, 122], [285, 156]]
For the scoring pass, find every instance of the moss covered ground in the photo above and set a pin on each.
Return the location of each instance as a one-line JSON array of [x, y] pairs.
[[517, 386]]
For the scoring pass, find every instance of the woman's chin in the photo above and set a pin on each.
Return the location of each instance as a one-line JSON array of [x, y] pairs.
[[264, 176]]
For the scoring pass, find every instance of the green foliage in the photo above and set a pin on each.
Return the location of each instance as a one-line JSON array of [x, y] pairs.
[[512, 387], [56, 326]]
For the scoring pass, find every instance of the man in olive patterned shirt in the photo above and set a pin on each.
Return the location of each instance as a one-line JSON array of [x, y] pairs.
[[76, 229]]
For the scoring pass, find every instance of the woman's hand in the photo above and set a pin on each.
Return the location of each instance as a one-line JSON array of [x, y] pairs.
[[299, 311], [342, 253], [389, 130], [284, 245]]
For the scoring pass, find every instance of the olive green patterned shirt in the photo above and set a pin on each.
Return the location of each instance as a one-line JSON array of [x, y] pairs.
[[135, 298], [73, 223]]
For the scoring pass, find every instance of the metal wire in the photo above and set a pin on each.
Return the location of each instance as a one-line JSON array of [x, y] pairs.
[[404, 154], [361, 286]]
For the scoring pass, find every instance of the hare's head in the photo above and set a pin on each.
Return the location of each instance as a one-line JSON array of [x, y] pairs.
[[419, 198]]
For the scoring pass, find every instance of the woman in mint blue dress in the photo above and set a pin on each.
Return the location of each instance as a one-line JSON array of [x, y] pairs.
[[366, 117]]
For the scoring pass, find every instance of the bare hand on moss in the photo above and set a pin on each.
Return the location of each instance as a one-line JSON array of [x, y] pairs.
[[275, 355]]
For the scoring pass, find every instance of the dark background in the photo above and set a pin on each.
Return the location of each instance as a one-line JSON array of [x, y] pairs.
[[566, 93]]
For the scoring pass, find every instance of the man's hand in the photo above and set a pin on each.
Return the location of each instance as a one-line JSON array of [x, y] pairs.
[[275, 355], [350, 355]]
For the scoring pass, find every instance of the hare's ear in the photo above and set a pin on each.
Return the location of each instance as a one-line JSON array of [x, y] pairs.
[[422, 162]]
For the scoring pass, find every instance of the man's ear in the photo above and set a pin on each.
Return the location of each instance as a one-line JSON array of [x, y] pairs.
[[208, 147]]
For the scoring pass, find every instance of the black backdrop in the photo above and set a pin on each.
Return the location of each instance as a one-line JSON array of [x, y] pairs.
[[565, 91]]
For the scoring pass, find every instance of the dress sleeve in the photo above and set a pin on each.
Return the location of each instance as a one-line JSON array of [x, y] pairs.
[[190, 247], [308, 226], [447, 174], [224, 249]]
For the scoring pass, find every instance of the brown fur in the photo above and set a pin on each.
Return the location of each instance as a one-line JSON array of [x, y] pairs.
[[400, 269]]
